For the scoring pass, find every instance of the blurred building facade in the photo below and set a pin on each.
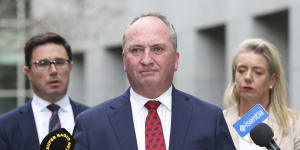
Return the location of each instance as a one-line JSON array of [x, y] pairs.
[[209, 32]]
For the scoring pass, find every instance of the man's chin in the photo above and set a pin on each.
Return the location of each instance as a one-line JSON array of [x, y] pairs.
[[150, 83], [56, 93]]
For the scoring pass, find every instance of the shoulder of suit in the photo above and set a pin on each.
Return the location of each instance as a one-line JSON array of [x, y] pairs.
[[79, 105], [13, 114], [100, 109], [195, 100], [184, 95]]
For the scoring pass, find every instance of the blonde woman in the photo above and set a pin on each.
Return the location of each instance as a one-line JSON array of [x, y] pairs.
[[258, 78]]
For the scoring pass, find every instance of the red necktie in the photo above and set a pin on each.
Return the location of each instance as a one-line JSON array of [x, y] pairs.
[[154, 136]]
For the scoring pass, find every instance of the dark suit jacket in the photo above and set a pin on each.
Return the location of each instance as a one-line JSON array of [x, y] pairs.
[[195, 125], [18, 130]]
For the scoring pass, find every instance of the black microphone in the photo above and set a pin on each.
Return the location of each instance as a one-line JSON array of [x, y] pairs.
[[262, 135], [59, 139]]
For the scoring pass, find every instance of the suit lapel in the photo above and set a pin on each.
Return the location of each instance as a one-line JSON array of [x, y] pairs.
[[181, 115], [74, 108], [121, 119], [28, 127]]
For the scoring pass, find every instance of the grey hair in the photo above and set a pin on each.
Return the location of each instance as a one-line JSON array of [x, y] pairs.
[[173, 35]]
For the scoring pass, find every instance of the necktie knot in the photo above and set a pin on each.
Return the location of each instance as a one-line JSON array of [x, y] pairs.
[[152, 105], [53, 107]]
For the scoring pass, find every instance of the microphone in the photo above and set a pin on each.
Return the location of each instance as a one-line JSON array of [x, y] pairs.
[[59, 139], [262, 135]]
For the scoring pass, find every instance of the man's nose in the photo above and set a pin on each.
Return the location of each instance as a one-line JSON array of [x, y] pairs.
[[52, 68], [147, 57]]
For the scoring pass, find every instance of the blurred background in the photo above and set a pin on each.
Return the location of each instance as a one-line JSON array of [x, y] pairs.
[[209, 32]]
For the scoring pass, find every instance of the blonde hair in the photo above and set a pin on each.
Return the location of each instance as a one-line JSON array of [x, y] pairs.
[[284, 115]]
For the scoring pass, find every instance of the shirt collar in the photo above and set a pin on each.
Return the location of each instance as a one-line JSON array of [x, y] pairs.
[[165, 99], [42, 104]]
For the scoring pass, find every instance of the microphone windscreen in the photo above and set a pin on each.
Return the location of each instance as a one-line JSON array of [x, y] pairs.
[[59, 139], [261, 134]]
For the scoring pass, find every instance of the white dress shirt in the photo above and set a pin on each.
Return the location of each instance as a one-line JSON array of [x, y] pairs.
[[140, 112], [42, 115]]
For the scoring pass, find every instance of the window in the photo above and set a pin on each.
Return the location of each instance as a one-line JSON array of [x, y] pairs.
[[7, 103], [8, 9]]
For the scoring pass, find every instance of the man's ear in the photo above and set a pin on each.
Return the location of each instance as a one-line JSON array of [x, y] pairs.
[[176, 61], [71, 65], [27, 71], [124, 63]]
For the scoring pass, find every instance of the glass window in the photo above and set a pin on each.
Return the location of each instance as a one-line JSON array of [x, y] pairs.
[[8, 58], [7, 104], [27, 8], [8, 9], [8, 77]]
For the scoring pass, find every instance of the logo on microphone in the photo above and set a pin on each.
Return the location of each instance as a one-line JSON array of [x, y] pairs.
[[242, 128], [255, 116], [59, 139]]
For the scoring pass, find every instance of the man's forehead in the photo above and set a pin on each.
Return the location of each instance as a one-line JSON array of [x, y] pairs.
[[149, 27], [49, 50], [148, 22]]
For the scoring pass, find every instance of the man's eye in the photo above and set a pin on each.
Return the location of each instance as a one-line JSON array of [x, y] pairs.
[[158, 49], [135, 50], [259, 73], [43, 63], [60, 62]]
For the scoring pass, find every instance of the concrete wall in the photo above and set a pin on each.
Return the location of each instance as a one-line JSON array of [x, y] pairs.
[[208, 33]]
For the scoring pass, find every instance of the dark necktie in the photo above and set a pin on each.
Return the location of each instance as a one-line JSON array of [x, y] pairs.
[[54, 122], [154, 136]]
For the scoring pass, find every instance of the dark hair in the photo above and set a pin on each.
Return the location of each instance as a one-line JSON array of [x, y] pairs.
[[45, 38]]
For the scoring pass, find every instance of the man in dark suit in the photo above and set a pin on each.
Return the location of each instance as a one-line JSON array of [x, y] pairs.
[[152, 114], [48, 62]]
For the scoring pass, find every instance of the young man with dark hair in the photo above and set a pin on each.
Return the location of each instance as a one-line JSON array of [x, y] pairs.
[[48, 63]]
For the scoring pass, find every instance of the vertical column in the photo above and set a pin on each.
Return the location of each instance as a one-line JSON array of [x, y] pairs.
[[21, 91], [76, 86], [210, 63], [237, 30], [92, 77], [104, 74], [294, 55]]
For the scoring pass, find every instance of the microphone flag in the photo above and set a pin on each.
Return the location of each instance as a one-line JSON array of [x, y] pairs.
[[255, 116]]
